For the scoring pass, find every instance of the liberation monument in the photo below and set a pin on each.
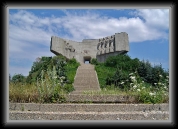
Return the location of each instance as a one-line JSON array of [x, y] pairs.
[[91, 48]]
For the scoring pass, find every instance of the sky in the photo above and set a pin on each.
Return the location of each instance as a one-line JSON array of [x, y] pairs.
[[30, 32]]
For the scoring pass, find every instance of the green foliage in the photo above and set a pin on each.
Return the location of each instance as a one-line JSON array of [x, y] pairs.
[[151, 74], [49, 87], [39, 65], [123, 61], [71, 68], [94, 61], [68, 88], [150, 84], [61, 72], [18, 78], [52, 78]]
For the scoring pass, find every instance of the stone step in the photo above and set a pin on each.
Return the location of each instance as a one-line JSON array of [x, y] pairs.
[[85, 75], [85, 88], [70, 107], [85, 79], [94, 84], [93, 98], [36, 115]]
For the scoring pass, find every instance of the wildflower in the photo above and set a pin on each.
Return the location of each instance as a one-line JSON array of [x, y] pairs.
[[122, 82], [155, 83], [160, 75], [143, 87], [131, 84], [134, 86], [142, 81], [138, 90], [130, 73], [151, 94], [132, 77], [55, 77], [167, 76]]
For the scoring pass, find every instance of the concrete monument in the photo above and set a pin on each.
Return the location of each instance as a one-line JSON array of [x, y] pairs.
[[83, 51]]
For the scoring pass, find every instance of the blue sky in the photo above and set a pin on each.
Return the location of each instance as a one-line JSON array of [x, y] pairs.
[[30, 31]]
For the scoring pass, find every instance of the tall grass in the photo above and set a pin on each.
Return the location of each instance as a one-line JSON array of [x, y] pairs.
[[47, 89], [23, 92]]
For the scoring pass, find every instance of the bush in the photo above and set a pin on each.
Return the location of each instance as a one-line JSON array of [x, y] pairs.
[[18, 78], [94, 61], [151, 74]]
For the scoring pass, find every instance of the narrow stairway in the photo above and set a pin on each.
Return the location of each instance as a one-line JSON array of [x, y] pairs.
[[85, 79]]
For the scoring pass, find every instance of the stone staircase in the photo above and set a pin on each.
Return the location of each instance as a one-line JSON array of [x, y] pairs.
[[31, 111], [85, 79], [81, 106]]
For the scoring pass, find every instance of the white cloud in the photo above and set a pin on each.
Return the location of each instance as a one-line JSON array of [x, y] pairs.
[[158, 18]]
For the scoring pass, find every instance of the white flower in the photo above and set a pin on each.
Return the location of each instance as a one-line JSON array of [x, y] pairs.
[[134, 86], [142, 81], [138, 90], [155, 83], [132, 77], [143, 87], [160, 75], [122, 82], [130, 73], [131, 84], [167, 76], [55, 77], [151, 94]]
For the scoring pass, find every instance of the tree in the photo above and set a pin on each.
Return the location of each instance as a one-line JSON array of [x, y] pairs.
[[18, 78]]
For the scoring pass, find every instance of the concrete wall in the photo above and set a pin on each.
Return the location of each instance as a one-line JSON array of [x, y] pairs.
[[94, 48]]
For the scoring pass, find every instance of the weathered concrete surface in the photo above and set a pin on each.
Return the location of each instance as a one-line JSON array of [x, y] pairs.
[[85, 79], [79, 98], [100, 49], [73, 107], [88, 111], [20, 115]]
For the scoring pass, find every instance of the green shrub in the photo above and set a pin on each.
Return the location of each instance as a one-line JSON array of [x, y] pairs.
[[18, 78], [94, 61]]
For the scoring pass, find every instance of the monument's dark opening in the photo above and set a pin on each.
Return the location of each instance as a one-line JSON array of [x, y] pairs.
[[87, 59]]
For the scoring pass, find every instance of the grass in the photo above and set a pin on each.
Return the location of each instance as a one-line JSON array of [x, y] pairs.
[[44, 91], [109, 90], [22, 93]]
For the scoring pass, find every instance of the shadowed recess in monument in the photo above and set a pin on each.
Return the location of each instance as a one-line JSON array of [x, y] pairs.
[[86, 59]]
